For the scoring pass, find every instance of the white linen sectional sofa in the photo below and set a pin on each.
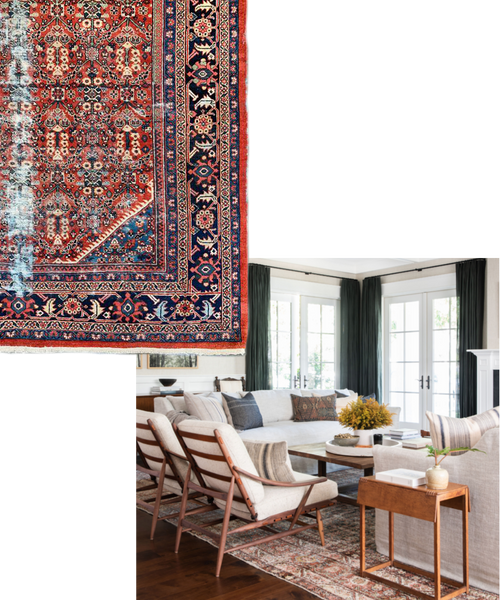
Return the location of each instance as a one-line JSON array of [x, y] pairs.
[[277, 415]]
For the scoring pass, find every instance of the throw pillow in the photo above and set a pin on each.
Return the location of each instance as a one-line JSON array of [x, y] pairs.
[[314, 409], [449, 432], [343, 393], [205, 408], [365, 398], [242, 413], [271, 460], [177, 416]]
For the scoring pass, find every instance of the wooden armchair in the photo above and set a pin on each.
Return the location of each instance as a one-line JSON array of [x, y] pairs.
[[226, 473], [167, 466]]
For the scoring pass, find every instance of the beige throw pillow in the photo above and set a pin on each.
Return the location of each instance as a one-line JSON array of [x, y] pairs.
[[271, 460]]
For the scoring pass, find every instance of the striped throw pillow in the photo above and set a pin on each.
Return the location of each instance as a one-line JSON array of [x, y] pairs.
[[271, 460], [205, 408], [447, 432]]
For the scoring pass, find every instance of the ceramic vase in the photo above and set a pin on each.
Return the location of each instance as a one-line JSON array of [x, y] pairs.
[[436, 478], [365, 436]]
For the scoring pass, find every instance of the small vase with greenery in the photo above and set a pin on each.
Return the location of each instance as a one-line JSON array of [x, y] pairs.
[[364, 417], [436, 477]]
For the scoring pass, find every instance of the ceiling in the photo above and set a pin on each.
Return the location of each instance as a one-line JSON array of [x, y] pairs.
[[354, 266]]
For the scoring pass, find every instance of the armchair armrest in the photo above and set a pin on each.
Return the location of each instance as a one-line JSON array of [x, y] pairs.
[[280, 483]]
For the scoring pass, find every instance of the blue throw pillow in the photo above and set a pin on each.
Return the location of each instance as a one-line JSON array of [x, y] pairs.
[[242, 413], [365, 398]]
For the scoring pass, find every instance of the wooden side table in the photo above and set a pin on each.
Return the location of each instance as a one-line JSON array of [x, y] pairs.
[[420, 503]]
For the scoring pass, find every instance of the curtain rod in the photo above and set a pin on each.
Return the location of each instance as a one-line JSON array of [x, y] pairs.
[[457, 262], [370, 276], [305, 272]]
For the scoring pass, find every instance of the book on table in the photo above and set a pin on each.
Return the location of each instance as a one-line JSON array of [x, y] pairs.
[[402, 477], [404, 433], [418, 442]]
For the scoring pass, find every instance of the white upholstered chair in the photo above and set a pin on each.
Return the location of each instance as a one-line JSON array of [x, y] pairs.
[[218, 456], [167, 466]]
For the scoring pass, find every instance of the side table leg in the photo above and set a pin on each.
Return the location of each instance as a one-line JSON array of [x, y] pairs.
[[321, 468], [362, 538], [437, 554], [391, 537], [465, 538]]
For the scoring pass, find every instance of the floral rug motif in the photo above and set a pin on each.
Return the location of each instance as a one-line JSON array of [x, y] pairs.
[[330, 572], [122, 190]]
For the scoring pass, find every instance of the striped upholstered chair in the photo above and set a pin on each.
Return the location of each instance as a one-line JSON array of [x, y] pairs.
[[166, 464], [226, 473]]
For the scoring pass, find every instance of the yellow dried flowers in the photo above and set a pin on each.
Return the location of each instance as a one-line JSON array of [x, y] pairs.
[[365, 415]]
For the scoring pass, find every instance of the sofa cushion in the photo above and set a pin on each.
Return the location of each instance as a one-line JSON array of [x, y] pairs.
[[271, 459], [205, 408], [275, 405], [449, 432], [278, 499], [314, 408], [242, 413]]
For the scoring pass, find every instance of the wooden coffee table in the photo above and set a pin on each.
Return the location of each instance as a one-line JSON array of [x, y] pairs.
[[318, 452]]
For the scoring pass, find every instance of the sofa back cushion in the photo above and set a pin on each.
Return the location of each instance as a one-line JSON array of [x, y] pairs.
[[275, 405], [206, 408]]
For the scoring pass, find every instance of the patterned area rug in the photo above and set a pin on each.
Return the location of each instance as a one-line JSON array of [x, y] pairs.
[[122, 188], [330, 572]]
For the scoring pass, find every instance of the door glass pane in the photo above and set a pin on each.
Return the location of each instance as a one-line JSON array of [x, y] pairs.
[[444, 356], [314, 318], [412, 316], [328, 318], [319, 355], [281, 343], [404, 359]]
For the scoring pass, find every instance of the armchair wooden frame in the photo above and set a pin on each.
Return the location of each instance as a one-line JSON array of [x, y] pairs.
[[152, 505], [238, 492]]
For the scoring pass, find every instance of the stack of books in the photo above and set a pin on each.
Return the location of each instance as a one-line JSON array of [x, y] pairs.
[[162, 390], [404, 434], [402, 477], [418, 442]]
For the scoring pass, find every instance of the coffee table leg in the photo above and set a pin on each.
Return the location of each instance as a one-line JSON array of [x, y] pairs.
[[465, 537], [321, 468], [368, 472], [362, 539]]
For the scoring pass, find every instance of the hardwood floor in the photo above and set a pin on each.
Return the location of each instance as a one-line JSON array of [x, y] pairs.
[[162, 574]]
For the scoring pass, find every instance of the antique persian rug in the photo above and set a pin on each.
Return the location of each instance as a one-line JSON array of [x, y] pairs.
[[123, 175]]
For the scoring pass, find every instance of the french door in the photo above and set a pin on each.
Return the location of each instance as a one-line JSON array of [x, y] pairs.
[[420, 355], [304, 344]]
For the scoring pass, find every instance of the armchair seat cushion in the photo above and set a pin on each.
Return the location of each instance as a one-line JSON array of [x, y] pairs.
[[281, 499]]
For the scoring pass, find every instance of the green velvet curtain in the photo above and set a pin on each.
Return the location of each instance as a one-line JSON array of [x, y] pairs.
[[370, 371], [470, 298], [257, 354], [350, 300]]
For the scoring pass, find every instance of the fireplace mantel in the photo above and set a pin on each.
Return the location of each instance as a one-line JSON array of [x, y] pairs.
[[487, 362]]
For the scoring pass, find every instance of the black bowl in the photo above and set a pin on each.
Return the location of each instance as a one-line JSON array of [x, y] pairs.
[[167, 382]]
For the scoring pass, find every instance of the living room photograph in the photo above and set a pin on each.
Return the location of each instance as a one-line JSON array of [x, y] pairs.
[[312, 465]]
